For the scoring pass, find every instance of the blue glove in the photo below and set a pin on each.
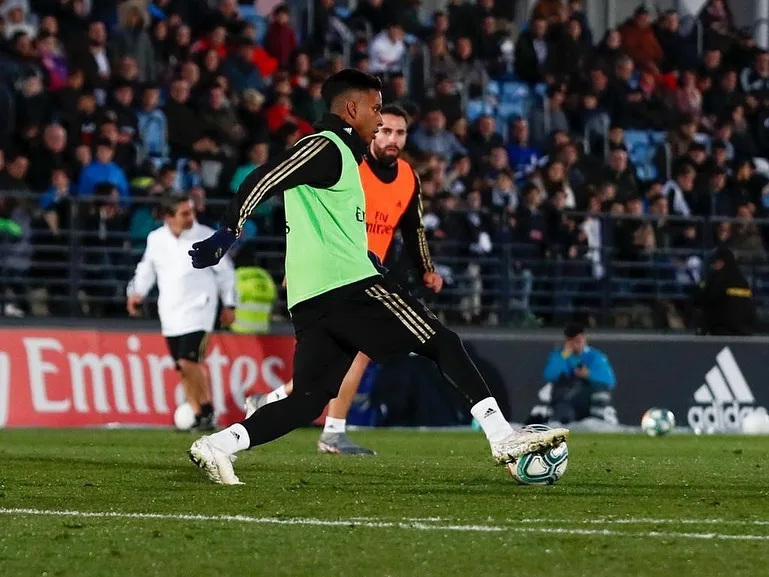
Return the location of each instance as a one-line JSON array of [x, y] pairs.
[[210, 251]]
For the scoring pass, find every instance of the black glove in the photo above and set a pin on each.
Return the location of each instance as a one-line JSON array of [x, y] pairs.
[[210, 251]]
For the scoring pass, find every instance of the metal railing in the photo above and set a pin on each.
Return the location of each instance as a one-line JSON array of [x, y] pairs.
[[81, 271]]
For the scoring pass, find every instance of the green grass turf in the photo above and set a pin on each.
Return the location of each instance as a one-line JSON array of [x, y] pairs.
[[682, 479]]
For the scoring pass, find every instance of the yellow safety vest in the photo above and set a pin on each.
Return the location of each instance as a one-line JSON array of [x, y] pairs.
[[256, 298]]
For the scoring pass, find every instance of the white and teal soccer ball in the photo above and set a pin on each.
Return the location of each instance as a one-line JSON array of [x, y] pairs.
[[657, 422], [184, 417], [544, 468]]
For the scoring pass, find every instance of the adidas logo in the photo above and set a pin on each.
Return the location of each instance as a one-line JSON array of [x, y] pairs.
[[236, 435], [724, 400], [488, 413], [348, 130]]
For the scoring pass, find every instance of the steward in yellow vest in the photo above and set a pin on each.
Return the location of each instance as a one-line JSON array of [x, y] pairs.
[[256, 292]]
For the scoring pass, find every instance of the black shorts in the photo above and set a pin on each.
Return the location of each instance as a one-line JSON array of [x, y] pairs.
[[375, 316], [191, 347]]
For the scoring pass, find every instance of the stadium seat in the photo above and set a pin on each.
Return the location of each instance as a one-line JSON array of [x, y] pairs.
[[507, 110], [257, 20], [514, 91], [477, 108], [493, 89], [641, 151]]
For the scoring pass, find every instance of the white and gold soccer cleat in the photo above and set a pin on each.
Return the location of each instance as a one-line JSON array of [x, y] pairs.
[[522, 442], [216, 463]]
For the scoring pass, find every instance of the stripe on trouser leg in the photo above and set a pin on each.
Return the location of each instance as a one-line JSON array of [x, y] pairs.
[[409, 325], [390, 298], [414, 314]]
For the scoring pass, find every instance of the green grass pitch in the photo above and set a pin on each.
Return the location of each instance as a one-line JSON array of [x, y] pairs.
[[115, 503]]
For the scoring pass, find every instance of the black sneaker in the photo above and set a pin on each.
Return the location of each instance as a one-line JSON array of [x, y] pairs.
[[205, 423]]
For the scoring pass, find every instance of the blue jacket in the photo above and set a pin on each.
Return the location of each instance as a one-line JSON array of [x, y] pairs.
[[96, 173], [523, 159], [600, 373]]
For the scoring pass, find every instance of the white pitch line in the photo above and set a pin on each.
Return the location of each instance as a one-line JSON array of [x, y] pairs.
[[643, 521], [377, 524], [370, 523]]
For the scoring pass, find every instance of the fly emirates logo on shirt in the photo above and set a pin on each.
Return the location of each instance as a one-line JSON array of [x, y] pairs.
[[381, 223]]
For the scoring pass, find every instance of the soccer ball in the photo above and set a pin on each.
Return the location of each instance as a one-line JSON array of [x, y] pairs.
[[184, 417], [544, 468], [756, 423], [657, 422]]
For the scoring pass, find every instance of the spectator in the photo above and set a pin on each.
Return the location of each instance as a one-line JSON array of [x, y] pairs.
[[679, 52], [103, 170], [239, 68], [312, 107], [679, 189], [184, 134], [152, 126], [724, 97], [50, 155], [280, 40], [620, 174], [639, 41], [531, 51], [688, 99], [483, 138], [432, 137], [251, 115], [95, 60], [755, 81], [132, 39], [446, 98], [469, 70], [375, 13], [523, 157], [548, 117], [717, 23], [387, 50], [281, 111], [440, 62], [54, 62], [746, 241]]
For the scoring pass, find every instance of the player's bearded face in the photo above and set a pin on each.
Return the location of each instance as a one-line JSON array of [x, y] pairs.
[[390, 140]]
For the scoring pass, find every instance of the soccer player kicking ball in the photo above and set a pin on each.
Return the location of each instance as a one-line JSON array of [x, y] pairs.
[[340, 304], [393, 201]]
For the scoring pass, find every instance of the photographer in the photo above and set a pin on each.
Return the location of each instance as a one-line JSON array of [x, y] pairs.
[[579, 380]]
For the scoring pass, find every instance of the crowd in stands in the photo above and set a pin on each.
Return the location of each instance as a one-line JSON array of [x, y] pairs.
[[525, 135]]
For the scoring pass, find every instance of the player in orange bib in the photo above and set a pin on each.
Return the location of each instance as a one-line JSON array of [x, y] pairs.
[[393, 202]]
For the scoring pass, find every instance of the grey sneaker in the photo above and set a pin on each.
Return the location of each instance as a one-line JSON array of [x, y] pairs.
[[339, 444], [253, 403]]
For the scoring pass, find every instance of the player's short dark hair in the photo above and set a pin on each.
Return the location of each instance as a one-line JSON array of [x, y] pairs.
[[345, 81], [170, 202], [395, 110]]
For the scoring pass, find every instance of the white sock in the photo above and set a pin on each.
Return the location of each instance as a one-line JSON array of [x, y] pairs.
[[276, 395], [232, 439], [334, 425], [491, 419]]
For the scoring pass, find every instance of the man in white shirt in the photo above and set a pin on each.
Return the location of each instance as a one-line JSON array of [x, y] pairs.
[[188, 298], [387, 50]]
